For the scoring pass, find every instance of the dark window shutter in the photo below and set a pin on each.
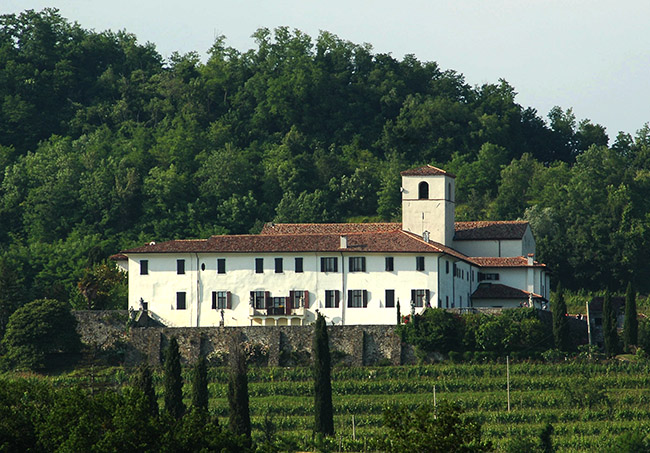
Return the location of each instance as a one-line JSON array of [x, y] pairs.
[[306, 305], [214, 300], [267, 299], [337, 298], [228, 300], [363, 264], [428, 296], [349, 297], [413, 295], [365, 298], [336, 264], [288, 305]]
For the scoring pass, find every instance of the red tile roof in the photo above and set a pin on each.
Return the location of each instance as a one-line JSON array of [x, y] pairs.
[[467, 231], [498, 291], [427, 170], [396, 241], [513, 261], [328, 228], [118, 257]]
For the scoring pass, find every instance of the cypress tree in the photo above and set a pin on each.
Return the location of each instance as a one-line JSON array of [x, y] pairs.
[[173, 385], [323, 410], [144, 383], [610, 334], [399, 314], [239, 416], [630, 324], [561, 334], [200, 385]]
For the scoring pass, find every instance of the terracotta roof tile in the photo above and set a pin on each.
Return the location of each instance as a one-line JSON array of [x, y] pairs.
[[396, 241], [467, 231], [427, 170], [498, 291], [118, 257], [328, 228], [513, 261]]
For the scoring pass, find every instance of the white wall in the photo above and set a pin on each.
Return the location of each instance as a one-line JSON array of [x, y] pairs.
[[160, 286]]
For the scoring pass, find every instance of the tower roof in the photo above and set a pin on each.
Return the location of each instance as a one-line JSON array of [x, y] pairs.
[[427, 170]]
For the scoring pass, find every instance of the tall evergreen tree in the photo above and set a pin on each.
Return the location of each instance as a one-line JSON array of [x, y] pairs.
[[630, 323], [323, 409], [173, 387], [561, 334], [144, 383], [610, 334], [200, 395], [239, 417]]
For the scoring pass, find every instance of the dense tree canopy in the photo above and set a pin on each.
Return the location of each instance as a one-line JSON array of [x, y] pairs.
[[105, 144]]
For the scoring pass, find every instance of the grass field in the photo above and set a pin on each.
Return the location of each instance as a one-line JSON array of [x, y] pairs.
[[589, 404]]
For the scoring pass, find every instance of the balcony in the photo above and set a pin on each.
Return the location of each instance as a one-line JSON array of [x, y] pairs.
[[276, 316]]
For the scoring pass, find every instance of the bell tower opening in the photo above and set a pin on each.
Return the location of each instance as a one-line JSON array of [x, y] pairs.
[[423, 191]]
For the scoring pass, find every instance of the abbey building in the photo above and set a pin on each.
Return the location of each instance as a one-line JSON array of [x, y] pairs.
[[352, 273]]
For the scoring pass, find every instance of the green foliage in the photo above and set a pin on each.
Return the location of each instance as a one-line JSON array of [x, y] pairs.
[[173, 386], [36, 331], [200, 394], [630, 323], [561, 334], [513, 331], [610, 330], [429, 429], [144, 383], [239, 413], [323, 408]]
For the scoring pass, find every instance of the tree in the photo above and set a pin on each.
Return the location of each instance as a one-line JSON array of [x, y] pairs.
[[561, 334], [144, 383], [173, 384], [37, 330], [610, 333], [239, 416], [630, 323], [323, 409], [432, 430], [200, 396]]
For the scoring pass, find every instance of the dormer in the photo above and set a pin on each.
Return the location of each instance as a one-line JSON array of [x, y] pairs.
[[428, 203]]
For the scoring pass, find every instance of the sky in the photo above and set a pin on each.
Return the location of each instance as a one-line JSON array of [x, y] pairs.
[[589, 55]]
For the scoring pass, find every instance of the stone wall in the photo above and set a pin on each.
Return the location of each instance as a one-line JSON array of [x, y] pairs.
[[270, 345]]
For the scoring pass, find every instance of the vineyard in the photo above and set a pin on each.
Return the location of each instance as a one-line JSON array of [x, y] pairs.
[[588, 404]]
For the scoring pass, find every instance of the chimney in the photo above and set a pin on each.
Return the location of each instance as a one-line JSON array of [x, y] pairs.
[[344, 242], [425, 236], [531, 259]]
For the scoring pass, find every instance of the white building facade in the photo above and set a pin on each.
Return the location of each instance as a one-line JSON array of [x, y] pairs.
[[351, 273]]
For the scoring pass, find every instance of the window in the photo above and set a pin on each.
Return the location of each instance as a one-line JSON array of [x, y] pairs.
[[482, 276], [299, 298], [180, 301], [420, 297], [221, 265], [144, 267], [221, 300], [419, 263], [258, 299], [357, 263], [447, 267], [180, 267], [390, 298], [455, 270], [332, 298], [259, 265], [329, 264], [298, 265], [357, 298], [390, 265], [423, 190], [278, 265], [446, 301]]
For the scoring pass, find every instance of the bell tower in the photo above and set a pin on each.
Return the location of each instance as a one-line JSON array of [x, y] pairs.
[[428, 203]]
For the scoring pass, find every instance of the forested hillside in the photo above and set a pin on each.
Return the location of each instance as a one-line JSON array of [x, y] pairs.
[[105, 144]]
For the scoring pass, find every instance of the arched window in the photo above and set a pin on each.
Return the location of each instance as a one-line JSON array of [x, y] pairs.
[[449, 191], [423, 191]]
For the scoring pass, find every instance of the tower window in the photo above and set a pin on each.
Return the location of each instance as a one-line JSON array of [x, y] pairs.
[[423, 190]]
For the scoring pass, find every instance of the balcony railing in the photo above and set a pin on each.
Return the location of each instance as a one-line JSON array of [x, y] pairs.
[[277, 311]]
